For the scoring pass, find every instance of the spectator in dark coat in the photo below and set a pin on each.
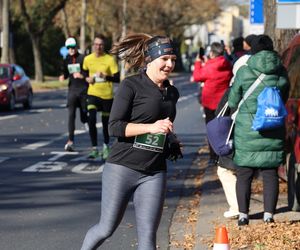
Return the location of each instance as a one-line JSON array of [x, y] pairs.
[[216, 73], [237, 52]]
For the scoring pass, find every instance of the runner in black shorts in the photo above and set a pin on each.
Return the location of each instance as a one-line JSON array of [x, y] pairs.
[[102, 71]]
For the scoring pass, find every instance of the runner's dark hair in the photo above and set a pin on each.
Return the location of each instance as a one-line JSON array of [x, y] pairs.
[[132, 49], [100, 36]]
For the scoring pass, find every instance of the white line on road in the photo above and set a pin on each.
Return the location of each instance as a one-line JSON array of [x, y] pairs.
[[84, 158], [2, 159], [39, 110], [36, 145], [59, 154], [40, 144], [7, 117], [86, 168], [80, 131], [187, 97]]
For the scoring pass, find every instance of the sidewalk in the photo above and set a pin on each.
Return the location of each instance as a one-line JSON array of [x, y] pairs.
[[213, 204]]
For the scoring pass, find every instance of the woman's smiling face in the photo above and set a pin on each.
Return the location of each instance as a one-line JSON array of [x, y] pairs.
[[160, 68]]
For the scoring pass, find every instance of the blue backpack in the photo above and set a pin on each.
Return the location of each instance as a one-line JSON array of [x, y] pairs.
[[271, 111]]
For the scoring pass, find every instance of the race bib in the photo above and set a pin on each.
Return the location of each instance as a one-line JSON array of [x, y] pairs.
[[74, 68], [99, 79], [150, 142]]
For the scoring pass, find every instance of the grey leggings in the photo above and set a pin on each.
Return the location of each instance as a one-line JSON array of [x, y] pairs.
[[118, 185]]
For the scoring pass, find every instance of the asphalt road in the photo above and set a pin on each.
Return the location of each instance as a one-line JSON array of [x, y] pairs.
[[49, 198]]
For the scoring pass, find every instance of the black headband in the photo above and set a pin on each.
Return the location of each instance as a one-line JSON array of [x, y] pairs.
[[159, 46]]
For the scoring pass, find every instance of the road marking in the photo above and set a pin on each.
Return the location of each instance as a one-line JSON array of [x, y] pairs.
[[46, 166], [84, 158], [56, 166], [187, 97], [40, 144], [39, 110], [79, 131], [59, 154], [7, 117], [85, 168], [36, 145], [2, 159]]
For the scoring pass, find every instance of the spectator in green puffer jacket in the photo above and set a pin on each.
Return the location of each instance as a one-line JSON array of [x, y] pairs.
[[255, 150]]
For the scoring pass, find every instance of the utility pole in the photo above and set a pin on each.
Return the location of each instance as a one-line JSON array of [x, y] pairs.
[[124, 31], [83, 25], [5, 32]]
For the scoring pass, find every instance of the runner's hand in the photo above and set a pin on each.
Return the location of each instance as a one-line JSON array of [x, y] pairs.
[[174, 147], [90, 80], [77, 75], [161, 126], [61, 78]]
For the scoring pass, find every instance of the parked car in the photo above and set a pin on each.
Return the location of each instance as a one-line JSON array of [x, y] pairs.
[[15, 87]]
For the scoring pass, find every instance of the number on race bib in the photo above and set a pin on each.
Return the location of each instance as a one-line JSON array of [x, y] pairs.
[[150, 142]]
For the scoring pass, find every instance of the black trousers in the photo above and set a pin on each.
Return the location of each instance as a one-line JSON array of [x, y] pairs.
[[209, 115], [76, 100], [270, 188], [98, 104], [92, 120]]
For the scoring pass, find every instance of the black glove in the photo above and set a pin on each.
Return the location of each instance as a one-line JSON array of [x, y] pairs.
[[174, 148]]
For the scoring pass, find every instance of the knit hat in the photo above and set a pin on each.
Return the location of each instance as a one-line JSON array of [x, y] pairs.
[[70, 42], [261, 42], [249, 39]]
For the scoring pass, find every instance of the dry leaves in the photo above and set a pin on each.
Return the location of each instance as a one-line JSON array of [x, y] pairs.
[[186, 214], [282, 235], [257, 186], [279, 235]]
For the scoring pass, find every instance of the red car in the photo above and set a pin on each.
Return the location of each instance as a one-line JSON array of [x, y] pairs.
[[15, 87]]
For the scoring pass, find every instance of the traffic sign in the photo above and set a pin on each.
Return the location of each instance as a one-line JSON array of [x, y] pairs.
[[256, 12], [290, 9], [288, 1]]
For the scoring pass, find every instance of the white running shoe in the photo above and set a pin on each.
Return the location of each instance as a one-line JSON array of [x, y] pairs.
[[69, 147], [231, 214]]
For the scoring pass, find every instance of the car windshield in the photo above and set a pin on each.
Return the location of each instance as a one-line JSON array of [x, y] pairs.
[[4, 72]]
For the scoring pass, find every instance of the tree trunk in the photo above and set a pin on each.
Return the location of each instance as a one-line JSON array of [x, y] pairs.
[[66, 29], [280, 37], [36, 46], [124, 31], [36, 29], [5, 32], [12, 57], [83, 25]]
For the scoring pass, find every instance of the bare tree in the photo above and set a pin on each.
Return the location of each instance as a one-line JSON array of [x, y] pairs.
[[83, 25], [65, 25], [5, 32], [38, 17]]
